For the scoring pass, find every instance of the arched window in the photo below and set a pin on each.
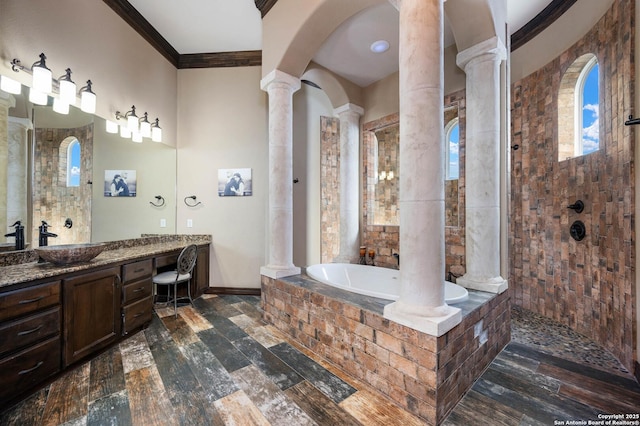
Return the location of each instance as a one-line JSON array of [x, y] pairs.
[[70, 162], [452, 139], [578, 109]]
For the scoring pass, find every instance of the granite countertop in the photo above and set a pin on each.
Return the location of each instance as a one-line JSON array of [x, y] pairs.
[[115, 252]]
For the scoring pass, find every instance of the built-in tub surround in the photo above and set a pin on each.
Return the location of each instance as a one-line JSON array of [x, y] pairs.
[[588, 285], [423, 374]]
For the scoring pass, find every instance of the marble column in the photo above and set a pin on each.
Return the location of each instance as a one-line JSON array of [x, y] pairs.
[[349, 116], [422, 302], [481, 64], [6, 101], [280, 87]]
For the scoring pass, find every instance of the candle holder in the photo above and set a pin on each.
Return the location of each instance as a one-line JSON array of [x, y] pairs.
[[363, 255], [372, 255]]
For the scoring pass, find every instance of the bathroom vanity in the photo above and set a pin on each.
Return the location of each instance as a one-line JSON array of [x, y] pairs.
[[52, 317]]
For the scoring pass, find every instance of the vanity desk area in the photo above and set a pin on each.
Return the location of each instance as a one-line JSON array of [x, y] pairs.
[[53, 316]]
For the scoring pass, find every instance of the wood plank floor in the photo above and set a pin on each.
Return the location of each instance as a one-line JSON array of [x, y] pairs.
[[218, 363]]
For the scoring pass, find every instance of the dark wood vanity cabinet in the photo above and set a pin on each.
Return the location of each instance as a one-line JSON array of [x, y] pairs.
[[91, 312], [137, 298], [46, 326], [30, 327], [201, 272]]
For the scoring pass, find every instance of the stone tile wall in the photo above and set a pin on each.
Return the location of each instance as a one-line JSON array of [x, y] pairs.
[[423, 374], [329, 188], [589, 284], [53, 201]]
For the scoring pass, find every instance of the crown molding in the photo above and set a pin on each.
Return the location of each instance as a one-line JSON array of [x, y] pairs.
[[540, 22]]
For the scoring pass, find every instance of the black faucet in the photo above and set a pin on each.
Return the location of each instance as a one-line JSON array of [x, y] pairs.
[[18, 234], [43, 238], [397, 256]]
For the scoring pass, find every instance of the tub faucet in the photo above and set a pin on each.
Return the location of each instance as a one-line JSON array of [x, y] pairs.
[[43, 238], [397, 256]]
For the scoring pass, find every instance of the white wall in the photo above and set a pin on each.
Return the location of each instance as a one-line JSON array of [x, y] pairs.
[[223, 124], [308, 105]]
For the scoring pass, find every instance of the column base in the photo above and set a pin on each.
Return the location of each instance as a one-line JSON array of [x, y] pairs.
[[493, 285], [444, 318], [276, 272]]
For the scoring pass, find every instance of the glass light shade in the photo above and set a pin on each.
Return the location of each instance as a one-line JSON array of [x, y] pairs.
[[156, 134], [383, 175], [132, 122], [60, 106], [38, 98], [112, 126], [42, 79], [125, 132], [10, 85], [390, 175], [145, 129], [88, 102], [68, 92], [136, 137]]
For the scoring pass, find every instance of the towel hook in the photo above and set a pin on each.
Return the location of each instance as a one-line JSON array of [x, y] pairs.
[[159, 200], [193, 197]]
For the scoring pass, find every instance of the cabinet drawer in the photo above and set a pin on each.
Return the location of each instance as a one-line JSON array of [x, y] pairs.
[[136, 314], [167, 259], [134, 271], [137, 290], [20, 302], [26, 369], [26, 331]]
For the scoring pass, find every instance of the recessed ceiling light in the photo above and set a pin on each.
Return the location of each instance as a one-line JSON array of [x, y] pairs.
[[379, 46]]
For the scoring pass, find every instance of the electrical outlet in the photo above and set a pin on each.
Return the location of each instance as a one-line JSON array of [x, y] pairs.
[[163, 223], [189, 223]]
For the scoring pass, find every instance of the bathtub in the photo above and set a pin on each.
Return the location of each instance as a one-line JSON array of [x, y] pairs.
[[373, 281]]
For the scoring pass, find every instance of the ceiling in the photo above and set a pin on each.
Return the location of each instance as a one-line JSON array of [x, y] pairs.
[[213, 26]]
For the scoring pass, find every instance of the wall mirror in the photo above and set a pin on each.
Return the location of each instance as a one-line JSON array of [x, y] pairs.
[[382, 145], [52, 169]]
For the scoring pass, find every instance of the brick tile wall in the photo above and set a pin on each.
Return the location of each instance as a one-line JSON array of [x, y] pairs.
[[587, 285], [423, 374]]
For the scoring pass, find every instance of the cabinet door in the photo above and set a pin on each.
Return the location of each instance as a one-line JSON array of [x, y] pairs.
[[91, 313], [200, 283]]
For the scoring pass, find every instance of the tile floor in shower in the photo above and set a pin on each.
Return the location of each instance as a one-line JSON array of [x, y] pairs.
[[218, 363]]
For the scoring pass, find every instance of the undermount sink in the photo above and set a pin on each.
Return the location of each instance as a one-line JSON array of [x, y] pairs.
[[66, 254]]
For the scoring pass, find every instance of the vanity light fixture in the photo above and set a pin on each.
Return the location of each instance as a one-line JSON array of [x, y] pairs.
[[132, 119], [156, 131], [42, 75], [60, 106], [67, 88], [38, 98], [112, 126], [43, 84], [136, 136], [145, 126], [10, 85], [87, 99]]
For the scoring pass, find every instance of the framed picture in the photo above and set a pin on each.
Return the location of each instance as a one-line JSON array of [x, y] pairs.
[[234, 182], [120, 183]]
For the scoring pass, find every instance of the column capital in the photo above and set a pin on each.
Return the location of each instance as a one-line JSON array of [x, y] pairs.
[[279, 77], [491, 49], [348, 108]]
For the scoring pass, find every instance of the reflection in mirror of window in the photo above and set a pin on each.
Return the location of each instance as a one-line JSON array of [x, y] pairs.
[[452, 165], [578, 109], [73, 163]]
